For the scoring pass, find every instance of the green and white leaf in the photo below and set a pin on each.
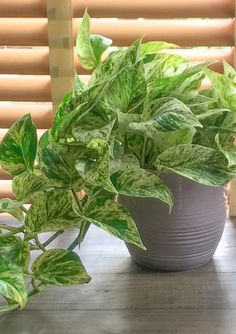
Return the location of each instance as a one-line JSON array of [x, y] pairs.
[[60, 267], [28, 185], [12, 207], [12, 284], [102, 211], [228, 148], [154, 47], [52, 211], [93, 166], [14, 250], [90, 48], [136, 182], [18, 147], [224, 88], [165, 114], [198, 163]]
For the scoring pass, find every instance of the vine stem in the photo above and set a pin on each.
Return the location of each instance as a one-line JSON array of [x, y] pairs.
[[38, 243], [143, 153], [12, 229], [84, 225], [125, 145], [77, 200], [47, 242], [24, 209]]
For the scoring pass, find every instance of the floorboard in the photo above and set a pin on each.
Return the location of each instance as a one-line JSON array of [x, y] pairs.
[[126, 298]]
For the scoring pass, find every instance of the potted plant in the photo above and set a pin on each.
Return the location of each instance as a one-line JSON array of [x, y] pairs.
[[139, 131]]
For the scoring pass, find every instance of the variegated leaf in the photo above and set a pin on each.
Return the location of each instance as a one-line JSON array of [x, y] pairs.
[[103, 211], [18, 147], [225, 89], [115, 62], [153, 47], [28, 185], [137, 182], [13, 207], [57, 163], [90, 47], [93, 167], [14, 250], [60, 267], [12, 284], [165, 114], [228, 148], [127, 91], [202, 164], [52, 211]]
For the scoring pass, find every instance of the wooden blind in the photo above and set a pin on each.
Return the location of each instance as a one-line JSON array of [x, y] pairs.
[[27, 57]]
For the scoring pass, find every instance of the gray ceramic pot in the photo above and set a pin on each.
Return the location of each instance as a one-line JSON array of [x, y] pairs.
[[187, 237]]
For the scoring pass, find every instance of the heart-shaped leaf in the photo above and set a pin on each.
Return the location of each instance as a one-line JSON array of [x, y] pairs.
[[18, 147], [12, 284], [60, 267]]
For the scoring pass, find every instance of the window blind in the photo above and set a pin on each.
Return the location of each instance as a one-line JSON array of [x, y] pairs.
[[27, 58]]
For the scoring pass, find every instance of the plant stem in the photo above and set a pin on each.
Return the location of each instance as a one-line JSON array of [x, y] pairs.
[[38, 243], [125, 145], [84, 225], [47, 242], [24, 209], [83, 230], [12, 229], [52, 238], [77, 201], [143, 153]]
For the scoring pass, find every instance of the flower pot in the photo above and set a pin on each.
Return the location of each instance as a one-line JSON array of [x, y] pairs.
[[187, 237]]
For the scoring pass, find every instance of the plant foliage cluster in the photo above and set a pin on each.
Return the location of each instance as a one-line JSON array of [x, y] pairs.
[[141, 114]]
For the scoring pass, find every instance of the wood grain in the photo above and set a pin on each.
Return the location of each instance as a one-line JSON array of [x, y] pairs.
[[125, 298]]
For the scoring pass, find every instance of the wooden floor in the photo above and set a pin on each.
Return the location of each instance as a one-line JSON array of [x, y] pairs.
[[124, 298]]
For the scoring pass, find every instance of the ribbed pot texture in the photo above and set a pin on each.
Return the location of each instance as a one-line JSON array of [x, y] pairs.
[[187, 237]]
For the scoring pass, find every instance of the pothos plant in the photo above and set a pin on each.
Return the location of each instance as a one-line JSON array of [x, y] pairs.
[[142, 111]]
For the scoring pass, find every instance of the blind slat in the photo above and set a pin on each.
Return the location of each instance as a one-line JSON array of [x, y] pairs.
[[126, 9], [182, 32], [214, 54], [23, 32], [24, 61], [40, 112], [155, 8], [25, 88], [36, 61], [5, 189]]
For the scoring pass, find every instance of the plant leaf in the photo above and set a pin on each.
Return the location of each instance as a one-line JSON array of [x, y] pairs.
[[12, 284], [12, 207], [90, 48], [228, 148], [14, 250], [127, 91], [60, 267], [57, 163], [103, 211], [166, 114], [153, 47], [198, 163], [225, 89], [28, 185], [137, 182], [18, 147], [52, 211], [93, 166]]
